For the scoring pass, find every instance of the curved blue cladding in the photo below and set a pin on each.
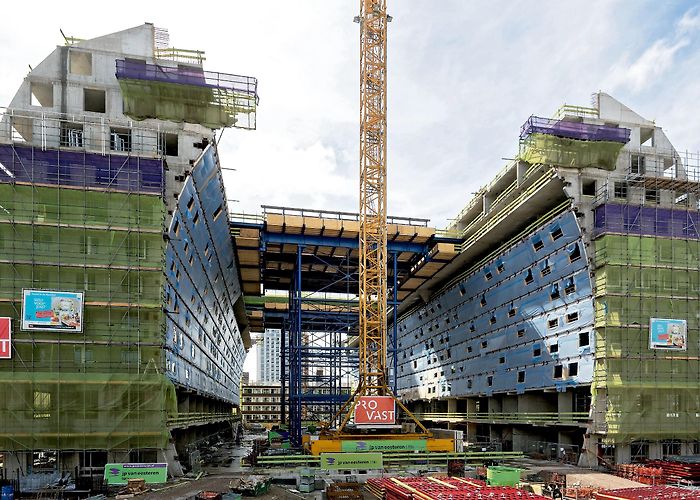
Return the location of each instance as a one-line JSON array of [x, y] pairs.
[[523, 320], [204, 350]]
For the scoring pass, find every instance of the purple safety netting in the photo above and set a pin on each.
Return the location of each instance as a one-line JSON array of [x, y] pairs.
[[647, 221], [82, 169], [574, 130], [137, 70]]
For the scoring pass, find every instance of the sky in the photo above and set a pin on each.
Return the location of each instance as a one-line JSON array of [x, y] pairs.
[[463, 76]]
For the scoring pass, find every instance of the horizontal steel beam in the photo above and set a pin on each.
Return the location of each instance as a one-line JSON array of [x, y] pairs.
[[335, 241]]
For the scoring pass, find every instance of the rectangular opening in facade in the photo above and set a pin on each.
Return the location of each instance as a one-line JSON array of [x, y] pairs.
[[168, 144], [521, 376], [553, 348], [584, 339], [620, 190], [573, 369], [41, 94], [120, 139], [588, 187], [571, 317], [652, 196], [558, 371], [72, 135], [637, 164], [80, 62], [94, 100]]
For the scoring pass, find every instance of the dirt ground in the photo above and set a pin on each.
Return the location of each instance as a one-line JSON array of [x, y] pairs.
[[188, 490]]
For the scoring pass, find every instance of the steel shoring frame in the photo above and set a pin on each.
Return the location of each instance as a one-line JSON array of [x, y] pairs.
[[320, 361]]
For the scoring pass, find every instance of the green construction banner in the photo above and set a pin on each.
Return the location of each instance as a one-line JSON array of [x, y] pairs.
[[385, 445], [339, 461], [121, 473]]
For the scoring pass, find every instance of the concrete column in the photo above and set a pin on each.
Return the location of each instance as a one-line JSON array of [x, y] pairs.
[[452, 405], [15, 462], [521, 168], [565, 402], [655, 451], [589, 452], [68, 462], [623, 454], [487, 199]]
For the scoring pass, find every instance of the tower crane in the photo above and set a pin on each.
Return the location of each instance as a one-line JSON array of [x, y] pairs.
[[373, 373]]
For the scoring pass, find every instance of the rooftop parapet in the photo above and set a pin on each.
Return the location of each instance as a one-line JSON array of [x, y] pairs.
[[187, 94], [574, 130]]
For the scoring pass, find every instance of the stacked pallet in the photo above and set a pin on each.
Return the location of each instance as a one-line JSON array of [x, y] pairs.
[[679, 468], [649, 493], [437, 488], [642, 473]]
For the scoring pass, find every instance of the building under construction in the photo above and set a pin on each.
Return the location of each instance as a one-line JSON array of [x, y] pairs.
[[568, 319], [118, 274], [558, 312]]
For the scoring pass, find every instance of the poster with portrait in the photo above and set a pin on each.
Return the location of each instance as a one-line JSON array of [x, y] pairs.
[[668, 334], [50, 310]]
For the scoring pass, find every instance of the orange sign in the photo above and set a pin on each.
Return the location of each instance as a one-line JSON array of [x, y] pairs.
[[375, 410], [5, 338]]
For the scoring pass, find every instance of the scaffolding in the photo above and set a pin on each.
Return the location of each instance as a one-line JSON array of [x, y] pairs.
[[647, 273], [74, 221]]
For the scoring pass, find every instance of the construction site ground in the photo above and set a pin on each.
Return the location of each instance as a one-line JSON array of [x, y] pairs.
[[224, 464]]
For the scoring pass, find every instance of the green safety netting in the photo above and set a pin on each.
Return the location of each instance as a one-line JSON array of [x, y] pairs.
[[552, 150], [211, 107], [641, 392], [103, 388]]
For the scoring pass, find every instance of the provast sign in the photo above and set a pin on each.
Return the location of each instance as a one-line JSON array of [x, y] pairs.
[[5, 338], [347, 461], [668, 334], [46, 310], [121, 473], [385, 445], [375, 410]]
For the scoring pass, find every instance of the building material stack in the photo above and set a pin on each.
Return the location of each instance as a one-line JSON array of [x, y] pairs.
[[433, 488]]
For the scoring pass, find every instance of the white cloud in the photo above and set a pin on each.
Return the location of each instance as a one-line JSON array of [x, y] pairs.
[[690, 20], [649, 68]]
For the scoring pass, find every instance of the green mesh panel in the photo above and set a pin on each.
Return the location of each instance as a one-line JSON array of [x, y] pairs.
[[551, 150], [649, 393], [103, 388]]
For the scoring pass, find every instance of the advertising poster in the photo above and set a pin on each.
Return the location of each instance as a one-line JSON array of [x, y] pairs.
[[47, 310], [5, 338], [384, 445], [668, 334], [375, 410], [342, 461], [121, 473]]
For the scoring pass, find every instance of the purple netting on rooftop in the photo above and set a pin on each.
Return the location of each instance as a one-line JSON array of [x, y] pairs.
[[574, 130], [648, 221], [80, 169], [138, 70]]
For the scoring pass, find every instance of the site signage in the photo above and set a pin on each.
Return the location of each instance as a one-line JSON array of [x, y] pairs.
[[5, 338], [48, 310], [346, 461], [671, 334], [121, 473], [375, 410], [385, 445]]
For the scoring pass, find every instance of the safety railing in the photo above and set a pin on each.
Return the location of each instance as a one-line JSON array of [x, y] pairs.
[[183, 419], [538, 417], [81, 132], [180, 55], [399, 457], [333, 214], [573, 110]]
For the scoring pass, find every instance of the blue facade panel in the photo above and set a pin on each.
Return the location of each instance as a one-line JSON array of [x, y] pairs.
[[522, 320], [204, 348]]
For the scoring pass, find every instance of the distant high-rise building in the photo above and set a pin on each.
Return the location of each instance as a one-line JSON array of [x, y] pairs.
[[269, 367]]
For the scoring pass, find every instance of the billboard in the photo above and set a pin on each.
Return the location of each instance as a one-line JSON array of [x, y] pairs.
[[375, 410], [668, 334], [5, 338], [385, 445], [48, 310], [343, 461], [121, 473]]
